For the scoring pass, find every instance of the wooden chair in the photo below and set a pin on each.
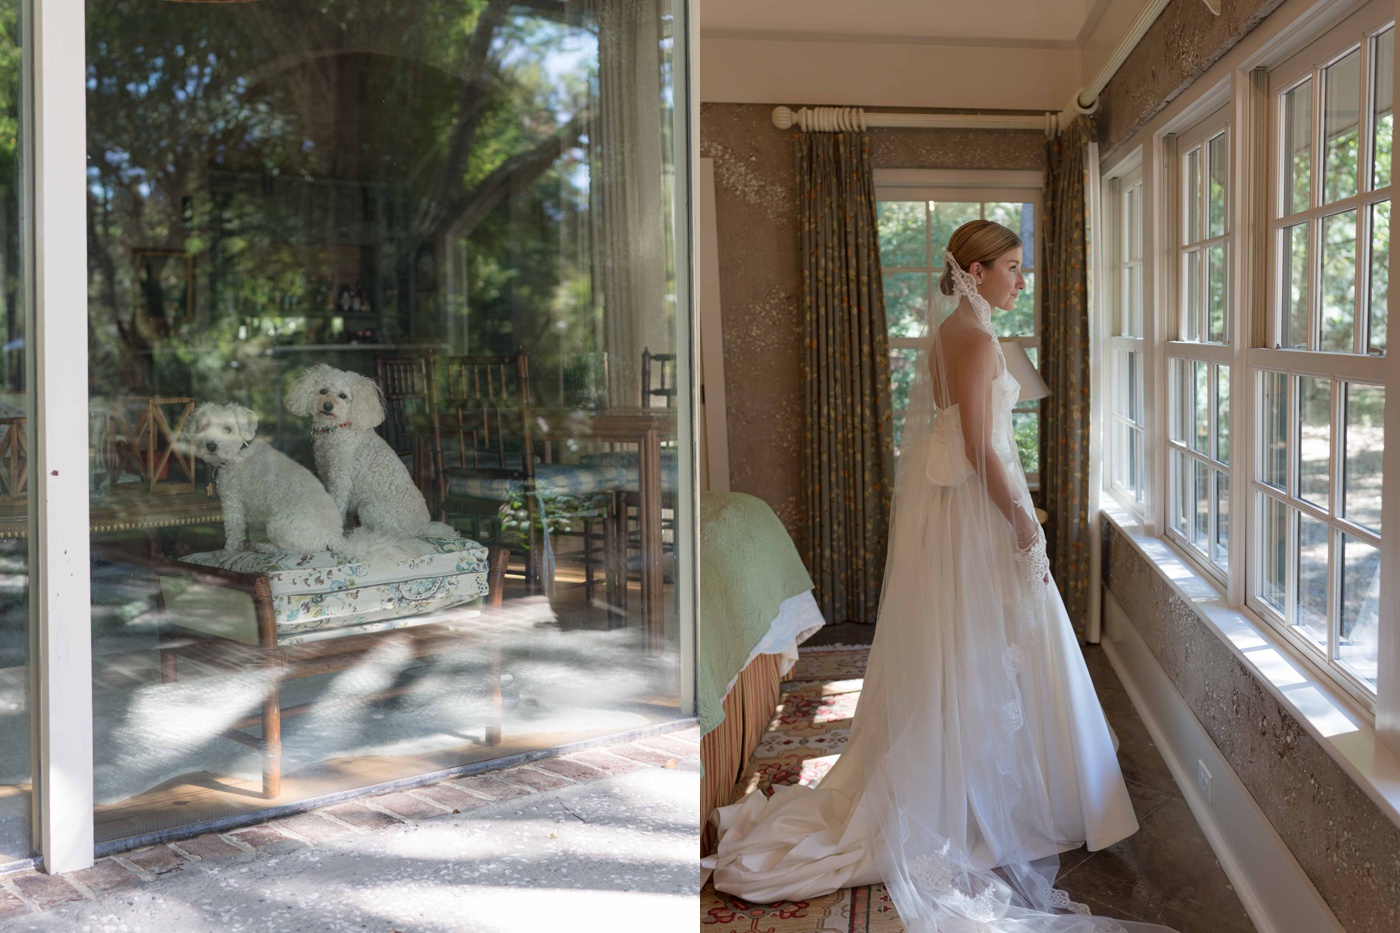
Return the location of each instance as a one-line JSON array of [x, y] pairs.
[[659, 390], [146, 434], [405, 384], [658, 379], [237, 622]]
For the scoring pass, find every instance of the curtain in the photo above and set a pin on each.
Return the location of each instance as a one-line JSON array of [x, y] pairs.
[[1065, 355], [849, 451], [628, 192]]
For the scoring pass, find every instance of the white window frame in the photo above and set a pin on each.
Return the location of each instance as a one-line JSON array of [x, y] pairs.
[[1198, 134], [1341, 368], [972, 185], [1123, 327]]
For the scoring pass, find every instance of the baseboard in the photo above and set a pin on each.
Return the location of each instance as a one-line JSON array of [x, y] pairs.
[[1276, 893]]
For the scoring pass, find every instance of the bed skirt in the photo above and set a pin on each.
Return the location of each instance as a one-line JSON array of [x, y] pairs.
[[748, 710]]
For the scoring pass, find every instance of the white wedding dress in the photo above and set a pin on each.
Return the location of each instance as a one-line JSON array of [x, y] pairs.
[[978, 742]]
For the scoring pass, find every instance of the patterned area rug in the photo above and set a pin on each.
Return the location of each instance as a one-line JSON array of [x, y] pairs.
[[807, 734]]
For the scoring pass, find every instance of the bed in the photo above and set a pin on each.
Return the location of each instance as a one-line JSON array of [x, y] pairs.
[[756, 607]]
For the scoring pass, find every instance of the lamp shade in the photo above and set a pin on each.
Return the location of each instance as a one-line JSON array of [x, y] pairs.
[[1032, 386]]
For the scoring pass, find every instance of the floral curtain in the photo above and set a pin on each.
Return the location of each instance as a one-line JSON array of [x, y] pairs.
[[1064, 430], [849, 450]]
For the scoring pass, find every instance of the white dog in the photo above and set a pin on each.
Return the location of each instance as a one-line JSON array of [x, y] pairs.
[[268, 496], [364, 476]]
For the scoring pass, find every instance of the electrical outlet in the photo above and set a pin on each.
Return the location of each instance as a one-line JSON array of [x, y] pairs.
[[1203, 780]]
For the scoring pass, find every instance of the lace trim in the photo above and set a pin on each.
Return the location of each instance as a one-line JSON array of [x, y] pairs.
[[1057, 898], [964, 284], [1032, 566], [938, 873]]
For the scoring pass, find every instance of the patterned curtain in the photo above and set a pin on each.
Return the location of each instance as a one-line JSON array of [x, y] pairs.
[[1064, 428], [849, 455]]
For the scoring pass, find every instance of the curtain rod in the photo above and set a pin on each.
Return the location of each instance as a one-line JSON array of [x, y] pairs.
[[1086, 101]]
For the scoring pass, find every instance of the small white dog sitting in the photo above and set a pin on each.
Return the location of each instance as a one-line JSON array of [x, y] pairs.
[[364, 476], [262, 490]]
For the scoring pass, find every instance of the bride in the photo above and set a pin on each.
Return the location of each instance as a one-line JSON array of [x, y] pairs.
[[979, 751]]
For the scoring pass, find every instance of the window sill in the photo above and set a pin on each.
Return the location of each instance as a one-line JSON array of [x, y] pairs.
[[1345, 731]]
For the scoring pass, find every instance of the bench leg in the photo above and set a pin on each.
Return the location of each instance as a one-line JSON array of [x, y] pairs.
[[493, 728], [272, 742]]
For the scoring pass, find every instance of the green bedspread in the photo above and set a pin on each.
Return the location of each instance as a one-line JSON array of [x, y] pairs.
[[748, 567]]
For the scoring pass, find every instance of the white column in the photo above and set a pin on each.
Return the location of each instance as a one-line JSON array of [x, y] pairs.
[[59, 469]]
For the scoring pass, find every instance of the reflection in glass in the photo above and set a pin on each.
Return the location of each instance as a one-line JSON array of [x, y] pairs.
[[1222, 416], [1297, 148], [1132, 326], [1191, 296], [429, 196], [1314, 439], [903, 233], [1216, 314], [1358, 643], [1364, 444], [1295, 285], [16, 711], [1182, 413], [1341, 83], [1338, 282], [1274, 428], [1380, 277], [1382, 106], [1191, 190], [1218, 180], [1310, 599], [1200, 406], [1200, 502], [1181, 492], [1220, 546], [1273, 552]]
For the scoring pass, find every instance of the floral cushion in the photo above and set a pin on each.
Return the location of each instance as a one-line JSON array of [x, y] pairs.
[[551, 479], [325, 595]]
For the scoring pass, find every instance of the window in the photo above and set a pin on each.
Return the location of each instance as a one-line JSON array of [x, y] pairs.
[[1198, 369], [1127, 466], [1318, 385], [914, 228]]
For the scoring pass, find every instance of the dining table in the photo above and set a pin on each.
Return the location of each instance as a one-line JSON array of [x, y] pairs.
[[648, 429]]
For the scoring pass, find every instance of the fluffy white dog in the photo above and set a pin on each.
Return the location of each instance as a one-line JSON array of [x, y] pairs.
[[364, 476], [267, 497]]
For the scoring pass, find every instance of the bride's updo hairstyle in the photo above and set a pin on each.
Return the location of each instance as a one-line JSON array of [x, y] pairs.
[[976, 241]]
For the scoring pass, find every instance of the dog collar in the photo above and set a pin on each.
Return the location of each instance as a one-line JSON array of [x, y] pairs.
[[327, 430]]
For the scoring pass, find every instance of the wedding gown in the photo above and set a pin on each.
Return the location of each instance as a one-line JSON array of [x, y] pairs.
[[978, 743]]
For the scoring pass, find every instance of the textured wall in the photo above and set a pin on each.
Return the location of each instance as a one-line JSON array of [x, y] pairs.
[[756, 217], [1347, 846], [1184, 42]]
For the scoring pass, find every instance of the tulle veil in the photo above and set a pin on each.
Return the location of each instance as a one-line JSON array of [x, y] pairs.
[[955, 788]]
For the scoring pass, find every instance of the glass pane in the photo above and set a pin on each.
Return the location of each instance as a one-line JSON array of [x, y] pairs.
[[1382, 106], [1365, 445], [902, 370], [1222, 416], [1314, 439], [1009, 216], [1191, 191], [1215, 210], [1341, 127], [1358, 629], [1310, 600], [1220, 547], [1200, 406], [1026, 423], [906, 303], [1295, 286], [1137, 464], [1273, 552], [1181, 492], [1274, 428], [1020, 320], [1200, 505], [1132, 326], [1182, 413], [273, 186], [1216, 315], [1131, 235], [1380, 277], [1297, 148], [1191, 296], [903, 233], [15, 404], [1130, 389], [1338, 281], [947, 216]]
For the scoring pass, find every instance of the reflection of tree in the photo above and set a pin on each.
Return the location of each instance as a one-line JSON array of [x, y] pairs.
[[215, 130]]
